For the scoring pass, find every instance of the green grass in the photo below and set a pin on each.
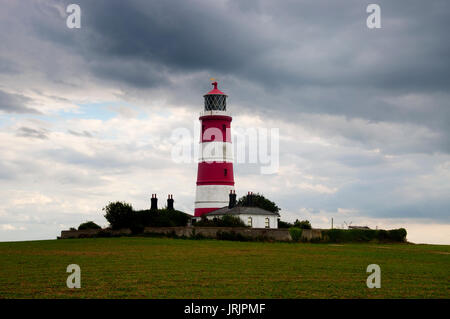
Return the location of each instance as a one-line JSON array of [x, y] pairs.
[[132, 267]]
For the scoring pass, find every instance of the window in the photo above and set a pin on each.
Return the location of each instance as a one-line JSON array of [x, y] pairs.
[[224, 133], [267, 222], [249, 222], [215, 102]]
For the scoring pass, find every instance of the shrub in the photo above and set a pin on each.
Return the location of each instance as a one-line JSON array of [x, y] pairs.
[[119, 215], [296, 233], [88, 225], [304, 224]]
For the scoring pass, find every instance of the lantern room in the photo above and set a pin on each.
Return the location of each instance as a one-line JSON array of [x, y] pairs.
[[215, 100]]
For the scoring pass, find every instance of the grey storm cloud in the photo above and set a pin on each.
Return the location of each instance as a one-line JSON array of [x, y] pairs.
[[305, 56], [270, 43], [31, 132], [281, 59], [14, 103], [81, 134]]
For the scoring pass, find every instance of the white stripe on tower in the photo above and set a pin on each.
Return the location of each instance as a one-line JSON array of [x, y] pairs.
[[216, 151], [208, 196]]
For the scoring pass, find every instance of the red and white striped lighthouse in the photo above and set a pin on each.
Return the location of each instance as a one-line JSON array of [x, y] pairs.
[[215, 168]]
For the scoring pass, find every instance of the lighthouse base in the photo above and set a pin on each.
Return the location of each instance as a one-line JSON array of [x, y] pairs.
[[211, 197], [199, 212]]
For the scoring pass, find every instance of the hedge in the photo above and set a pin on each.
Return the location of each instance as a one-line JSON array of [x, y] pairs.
[[364, 235]]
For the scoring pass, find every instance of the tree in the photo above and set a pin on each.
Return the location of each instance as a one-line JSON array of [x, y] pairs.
[[304, 224], [283, 224], [260, 201], [119, 214]]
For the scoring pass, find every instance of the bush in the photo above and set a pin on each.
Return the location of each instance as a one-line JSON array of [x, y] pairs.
[[119, 215], [304, 224], [296, 233], [88, 225], [224, 221]]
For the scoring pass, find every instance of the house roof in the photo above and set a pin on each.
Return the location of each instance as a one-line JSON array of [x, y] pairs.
[[241, 210]]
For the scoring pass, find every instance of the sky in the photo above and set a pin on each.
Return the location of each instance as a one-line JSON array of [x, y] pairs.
[[87, 115]]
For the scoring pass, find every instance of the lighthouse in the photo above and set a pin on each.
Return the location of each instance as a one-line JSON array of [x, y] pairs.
[[215, 178]]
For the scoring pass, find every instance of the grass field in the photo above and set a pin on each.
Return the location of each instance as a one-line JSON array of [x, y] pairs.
[[132, 267]]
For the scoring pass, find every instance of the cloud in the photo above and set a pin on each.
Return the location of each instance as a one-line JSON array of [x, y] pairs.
[[14, 103], [83, 134], [9, 227], [267, 53], [31, 132]]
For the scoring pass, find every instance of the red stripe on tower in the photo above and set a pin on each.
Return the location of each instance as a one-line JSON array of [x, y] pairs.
[[215, 168]]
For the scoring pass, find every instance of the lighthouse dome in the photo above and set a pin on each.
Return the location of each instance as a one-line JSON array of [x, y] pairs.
[[215, 100]]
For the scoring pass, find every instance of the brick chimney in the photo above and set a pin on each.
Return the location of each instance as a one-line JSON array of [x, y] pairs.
[[249, 199], [170, 202], [154, 202], [232, 201]]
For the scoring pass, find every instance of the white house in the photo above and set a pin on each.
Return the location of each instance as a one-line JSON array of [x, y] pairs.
[[254, 217]]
